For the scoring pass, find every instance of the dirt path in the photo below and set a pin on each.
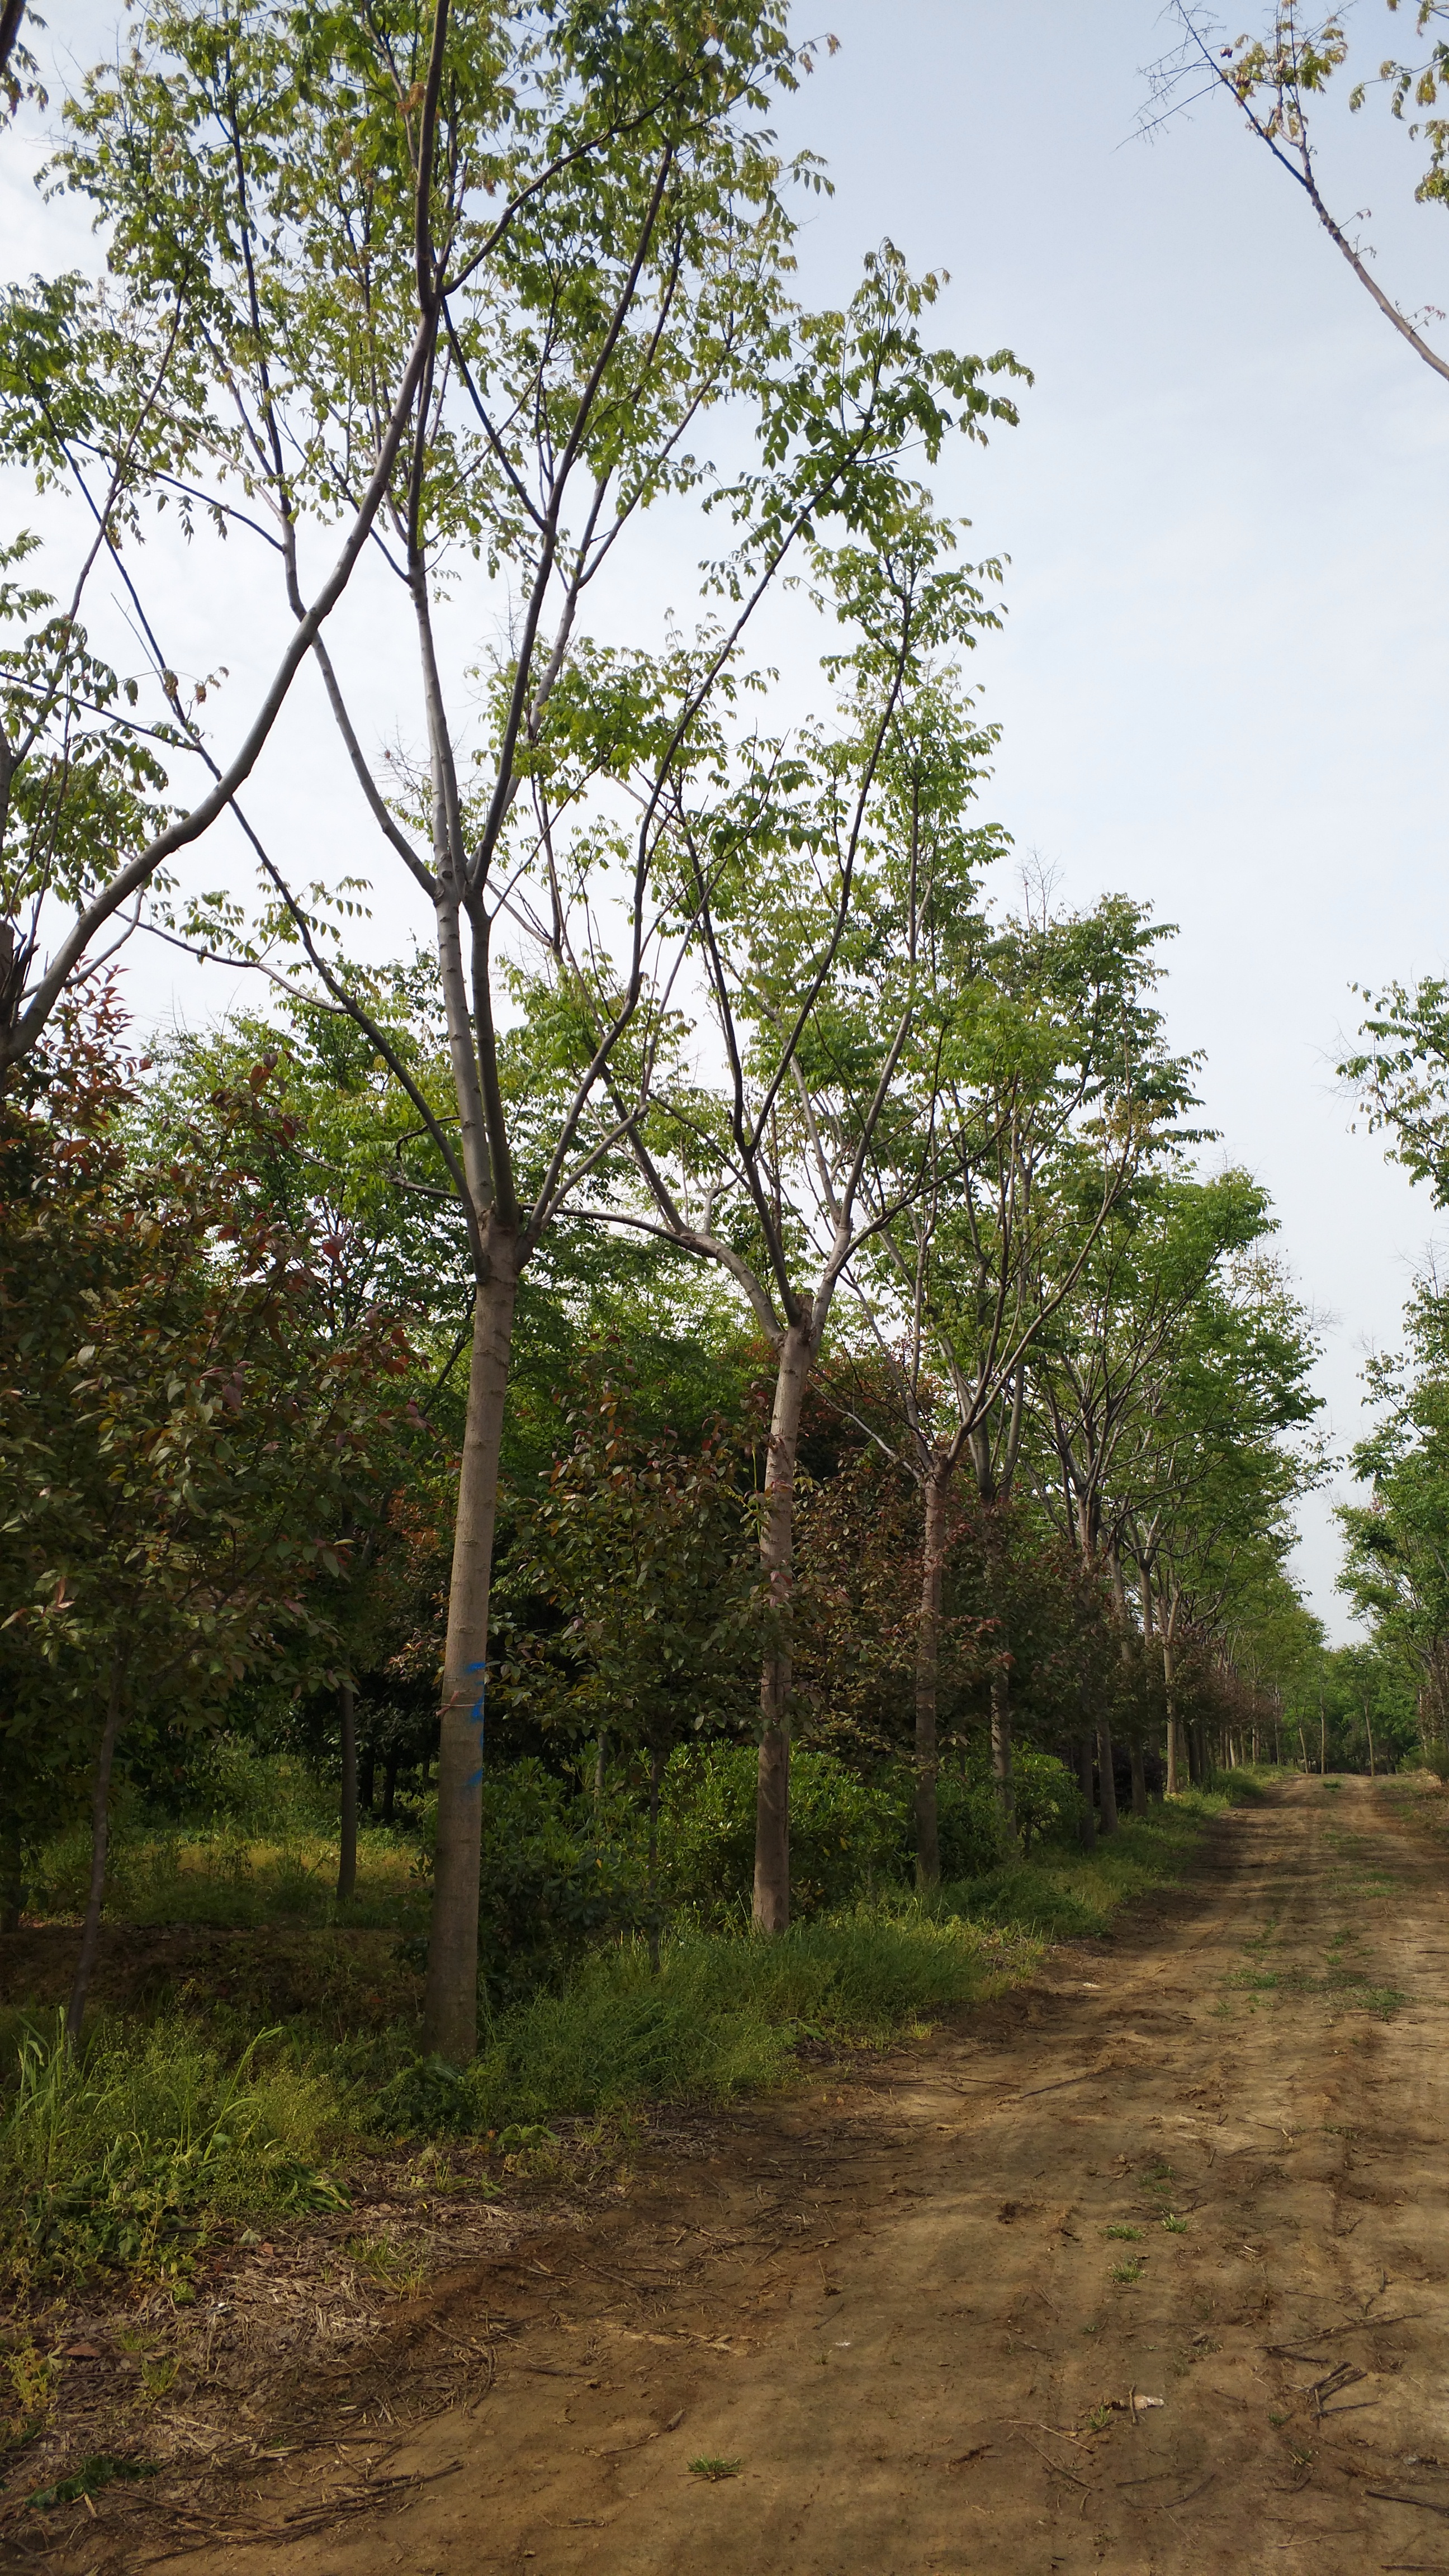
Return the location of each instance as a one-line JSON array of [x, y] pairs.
[[1145, 2269]]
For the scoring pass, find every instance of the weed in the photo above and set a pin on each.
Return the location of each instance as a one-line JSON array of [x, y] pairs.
[[1129, 2235], [385, 2261], [1127, 2273], [1099, 2419], [88, 2480], [1175, 2226], [708, 2467]]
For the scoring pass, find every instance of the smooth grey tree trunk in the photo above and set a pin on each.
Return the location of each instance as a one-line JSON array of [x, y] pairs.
[[451, 2003], [777, 1565]]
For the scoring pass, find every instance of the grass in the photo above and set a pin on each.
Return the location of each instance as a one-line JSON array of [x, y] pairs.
[[180, 2117], [119, 2157], [235, 1877]]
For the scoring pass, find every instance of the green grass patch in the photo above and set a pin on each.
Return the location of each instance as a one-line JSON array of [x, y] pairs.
[[117, 2158], [1057, 1894]]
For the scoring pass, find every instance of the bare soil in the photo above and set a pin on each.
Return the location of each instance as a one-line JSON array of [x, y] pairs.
[[1143, 2267]]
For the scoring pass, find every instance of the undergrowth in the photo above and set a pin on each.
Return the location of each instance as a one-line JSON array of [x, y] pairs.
[[169, 2126]]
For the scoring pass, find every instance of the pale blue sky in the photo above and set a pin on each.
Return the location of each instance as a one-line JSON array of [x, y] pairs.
[[1223, 669]]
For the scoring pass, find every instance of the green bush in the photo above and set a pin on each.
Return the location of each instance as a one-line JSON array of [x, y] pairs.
[[845, 1833], [1048, 1801]]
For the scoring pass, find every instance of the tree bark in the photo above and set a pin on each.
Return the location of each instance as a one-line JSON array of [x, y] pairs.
[[100, 1839], [1107, 1786], [777, 1565], [1139, 1779], [347, 1848], [451, 2002], [1175, 1765], [928, 1683], [1369, 1725]]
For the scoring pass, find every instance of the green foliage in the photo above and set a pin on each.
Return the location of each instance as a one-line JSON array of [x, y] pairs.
[[115, 2158], [845, 1832]]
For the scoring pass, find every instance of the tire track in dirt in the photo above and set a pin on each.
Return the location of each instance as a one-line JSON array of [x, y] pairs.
[[1143, 2268]]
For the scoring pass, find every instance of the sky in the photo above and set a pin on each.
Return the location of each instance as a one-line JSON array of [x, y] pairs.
[[1221, 676]]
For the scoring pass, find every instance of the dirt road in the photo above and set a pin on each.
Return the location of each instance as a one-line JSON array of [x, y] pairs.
[[1144, 2269]]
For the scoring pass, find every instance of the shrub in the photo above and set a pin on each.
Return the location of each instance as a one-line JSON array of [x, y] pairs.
[[845, 1833]]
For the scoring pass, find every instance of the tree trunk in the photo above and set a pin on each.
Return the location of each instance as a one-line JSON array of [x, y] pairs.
[[1106, 1782], [1084, 1776], [1322, 1739], [1139, 1779], [600, 1745], [389, 1786], [347, 1851], [451, 2002], [1175, 1763], [367, 1779], [777, 1564], [100, 1837], [1369, 1725], [928, 1682], [1001, 1749]]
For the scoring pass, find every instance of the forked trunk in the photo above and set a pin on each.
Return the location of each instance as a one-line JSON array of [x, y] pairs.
[[928, 1683], [347, 1851], [777, 1564], [100, 1838], [451, 2005]]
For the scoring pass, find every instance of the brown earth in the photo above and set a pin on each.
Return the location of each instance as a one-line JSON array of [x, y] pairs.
[[894, 2309]]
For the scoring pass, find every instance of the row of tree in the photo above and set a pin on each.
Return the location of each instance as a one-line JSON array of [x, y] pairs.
[[716, 1039]]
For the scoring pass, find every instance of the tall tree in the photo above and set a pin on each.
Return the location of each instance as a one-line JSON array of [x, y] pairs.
[[817, 901], [588, 216], [1041, 1080]]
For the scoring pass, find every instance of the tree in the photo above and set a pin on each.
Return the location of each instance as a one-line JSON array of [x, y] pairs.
[[817, 896], [1278, 79], [604, 273], [1041, 1082], [183, 1450], [119, 393], [642, 1544]]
